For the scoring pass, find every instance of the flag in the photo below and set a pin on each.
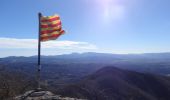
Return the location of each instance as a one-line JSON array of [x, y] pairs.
[[50, 28]]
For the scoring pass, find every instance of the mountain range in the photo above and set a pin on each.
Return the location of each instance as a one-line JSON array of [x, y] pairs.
[[156, 63], [110, 83], [133, 77]]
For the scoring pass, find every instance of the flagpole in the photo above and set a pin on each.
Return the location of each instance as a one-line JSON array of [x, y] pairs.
[[39, 53]]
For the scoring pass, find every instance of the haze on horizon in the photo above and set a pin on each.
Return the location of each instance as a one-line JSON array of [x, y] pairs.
[[109, 26]]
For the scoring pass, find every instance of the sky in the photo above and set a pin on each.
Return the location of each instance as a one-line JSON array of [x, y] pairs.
[[107, 26]]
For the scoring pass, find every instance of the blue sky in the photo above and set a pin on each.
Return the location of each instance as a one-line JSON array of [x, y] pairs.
[[112, 26]]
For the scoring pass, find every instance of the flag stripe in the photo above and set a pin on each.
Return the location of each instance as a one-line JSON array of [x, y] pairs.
[[50, 25], [52, 37], [50, 31], [52, 34], [47, 35], [51, 28], [44, 40], [50, 19]]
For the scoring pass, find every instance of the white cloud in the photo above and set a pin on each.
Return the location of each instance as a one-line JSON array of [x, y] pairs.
[[13, 43]]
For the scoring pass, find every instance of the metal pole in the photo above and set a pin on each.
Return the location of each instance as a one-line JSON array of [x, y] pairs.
[[39, 52]]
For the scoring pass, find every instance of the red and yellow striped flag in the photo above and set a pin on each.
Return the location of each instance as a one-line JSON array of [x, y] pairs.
[[51, 28]]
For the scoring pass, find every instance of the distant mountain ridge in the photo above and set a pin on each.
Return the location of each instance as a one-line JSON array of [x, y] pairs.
[[111, 83], [157, 63], [84, 56]]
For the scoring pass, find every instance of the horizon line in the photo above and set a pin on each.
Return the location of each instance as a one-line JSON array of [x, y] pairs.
[[92, 52]]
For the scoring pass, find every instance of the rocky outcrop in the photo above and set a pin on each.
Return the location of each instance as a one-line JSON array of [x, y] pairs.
[[42, 95]]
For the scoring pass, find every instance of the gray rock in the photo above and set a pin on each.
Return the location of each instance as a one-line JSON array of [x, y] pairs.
[[42, 95]]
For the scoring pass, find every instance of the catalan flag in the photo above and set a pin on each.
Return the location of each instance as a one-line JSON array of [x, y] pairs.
[[50, 28]]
